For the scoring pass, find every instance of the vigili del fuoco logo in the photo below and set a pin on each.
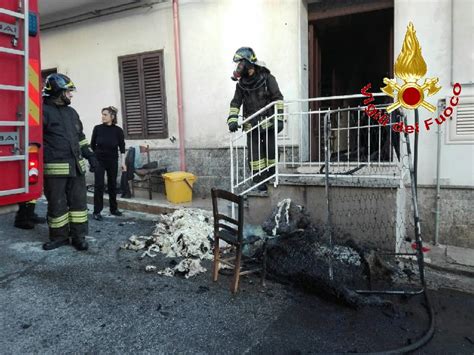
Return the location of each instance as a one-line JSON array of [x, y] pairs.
[[410, 67]]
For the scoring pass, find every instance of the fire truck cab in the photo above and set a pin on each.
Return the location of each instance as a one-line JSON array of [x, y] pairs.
[[21, 153]]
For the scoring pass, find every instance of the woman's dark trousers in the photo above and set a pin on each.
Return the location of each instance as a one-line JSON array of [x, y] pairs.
[[110, 167]]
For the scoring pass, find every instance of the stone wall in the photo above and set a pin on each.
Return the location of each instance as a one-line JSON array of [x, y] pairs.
[[211, 167], [456, 220], [368, 215], [374, 217]]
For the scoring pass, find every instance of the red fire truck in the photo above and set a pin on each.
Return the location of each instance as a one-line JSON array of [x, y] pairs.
[[21, 153]]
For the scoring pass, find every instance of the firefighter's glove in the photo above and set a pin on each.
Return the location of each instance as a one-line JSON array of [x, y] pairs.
[[233, 126], [281, 125], [93, 163]]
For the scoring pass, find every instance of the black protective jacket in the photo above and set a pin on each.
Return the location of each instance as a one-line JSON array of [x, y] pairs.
[[254, 93], [65, 145]]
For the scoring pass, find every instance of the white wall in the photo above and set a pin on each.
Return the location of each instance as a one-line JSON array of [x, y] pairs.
[[432, 20], [211, 31], [88, 52]]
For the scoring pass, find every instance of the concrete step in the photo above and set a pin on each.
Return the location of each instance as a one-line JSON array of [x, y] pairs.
[[157, 205]]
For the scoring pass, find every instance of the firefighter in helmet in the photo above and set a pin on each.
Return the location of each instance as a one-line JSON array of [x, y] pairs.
[[65, 151], [256, 87]]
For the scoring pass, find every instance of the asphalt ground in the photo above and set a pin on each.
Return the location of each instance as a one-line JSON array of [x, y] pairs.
[[103, 301]]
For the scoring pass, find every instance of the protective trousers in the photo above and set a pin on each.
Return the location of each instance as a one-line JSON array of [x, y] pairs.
[[110, 167], [261, 152], [67, 207]]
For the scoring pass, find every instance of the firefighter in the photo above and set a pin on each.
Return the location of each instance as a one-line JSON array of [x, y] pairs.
[[256, 87], [65, 148], [25, 217]]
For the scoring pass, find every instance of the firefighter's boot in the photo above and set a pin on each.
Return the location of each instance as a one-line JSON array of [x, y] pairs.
[[80, 244], [32, 216], [54, 244], [21, 218], [37, 219]]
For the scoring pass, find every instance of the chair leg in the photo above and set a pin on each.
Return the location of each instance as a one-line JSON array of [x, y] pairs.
[[132, 190], [149, 187], [215, 266], [238, 257]]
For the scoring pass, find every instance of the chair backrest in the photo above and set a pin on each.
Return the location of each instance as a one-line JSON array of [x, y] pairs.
[[146, 149], [223, 221], [133, 151]]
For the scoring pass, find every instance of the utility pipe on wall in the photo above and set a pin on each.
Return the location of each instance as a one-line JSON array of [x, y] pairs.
[[441, 104], [177, 56]]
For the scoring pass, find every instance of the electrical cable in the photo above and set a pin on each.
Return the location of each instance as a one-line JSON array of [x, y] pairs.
[[414, 187]]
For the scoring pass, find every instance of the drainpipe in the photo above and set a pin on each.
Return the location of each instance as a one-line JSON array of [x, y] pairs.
[[179, 89], [441, 105]]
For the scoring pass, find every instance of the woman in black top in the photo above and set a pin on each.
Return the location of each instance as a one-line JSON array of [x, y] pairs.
[[107, 140]]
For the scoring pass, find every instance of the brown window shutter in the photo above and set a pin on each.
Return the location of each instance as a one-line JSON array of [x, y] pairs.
[[131, 98], [143, 95], [154, 98]]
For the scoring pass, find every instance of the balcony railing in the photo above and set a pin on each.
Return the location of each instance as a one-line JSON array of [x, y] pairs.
[[327, 133]]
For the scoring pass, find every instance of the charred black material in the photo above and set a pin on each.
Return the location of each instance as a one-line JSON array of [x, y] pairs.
[[298, 219], [300, 256], [302, 260]]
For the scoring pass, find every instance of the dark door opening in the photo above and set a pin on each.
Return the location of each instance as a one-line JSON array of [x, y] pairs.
[[346, 53], [355, 50]]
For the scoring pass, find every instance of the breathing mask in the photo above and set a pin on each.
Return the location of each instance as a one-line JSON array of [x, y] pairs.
[[241, 70]]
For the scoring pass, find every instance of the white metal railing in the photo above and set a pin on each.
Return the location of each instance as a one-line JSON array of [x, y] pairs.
[[357, 145]]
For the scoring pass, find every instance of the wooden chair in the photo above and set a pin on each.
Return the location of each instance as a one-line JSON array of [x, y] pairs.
[[231, 231], [149, 174]]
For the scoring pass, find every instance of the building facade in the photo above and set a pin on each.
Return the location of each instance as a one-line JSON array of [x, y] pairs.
[[125, 56]]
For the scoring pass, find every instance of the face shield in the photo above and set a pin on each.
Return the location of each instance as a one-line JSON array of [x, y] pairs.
[[241, 70]]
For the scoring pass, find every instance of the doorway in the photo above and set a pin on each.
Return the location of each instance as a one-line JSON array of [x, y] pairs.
[[349, 47]]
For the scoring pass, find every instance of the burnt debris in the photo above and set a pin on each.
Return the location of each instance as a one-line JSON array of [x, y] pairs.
[[299, 254]]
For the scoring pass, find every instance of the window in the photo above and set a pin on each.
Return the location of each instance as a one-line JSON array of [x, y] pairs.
[[143, 95]]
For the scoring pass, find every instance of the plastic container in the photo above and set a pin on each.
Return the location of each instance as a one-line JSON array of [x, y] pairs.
[[179, 186]]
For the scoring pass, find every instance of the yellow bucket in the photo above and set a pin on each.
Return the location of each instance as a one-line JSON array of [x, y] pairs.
[[179, 186]]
